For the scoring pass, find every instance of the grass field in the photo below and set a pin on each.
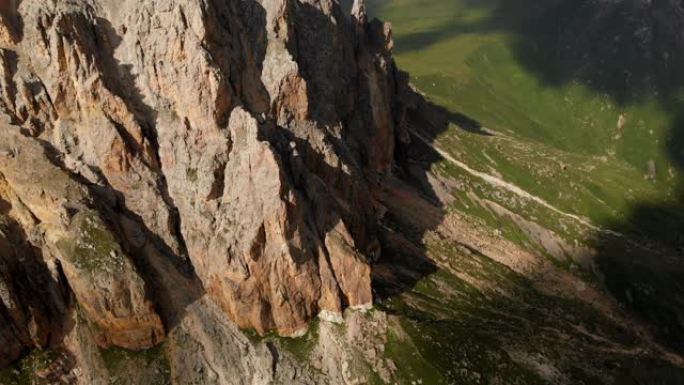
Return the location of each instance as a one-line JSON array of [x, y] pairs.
[[573, 113], [586, 151]]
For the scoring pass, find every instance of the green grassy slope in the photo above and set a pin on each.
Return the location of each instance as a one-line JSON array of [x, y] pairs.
[[568, 128], [567, 146]]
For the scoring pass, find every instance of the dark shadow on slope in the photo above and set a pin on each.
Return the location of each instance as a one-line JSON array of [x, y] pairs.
[[432, 119], [37, 312], [632, 51], [414, 206], [485, 331], [646, 273], [504, 16], [628, 49], [452, 321], [340, 99]]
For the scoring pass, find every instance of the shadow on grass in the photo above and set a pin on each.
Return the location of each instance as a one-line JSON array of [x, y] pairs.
[[413, 199], [632, 51], [629, 49]]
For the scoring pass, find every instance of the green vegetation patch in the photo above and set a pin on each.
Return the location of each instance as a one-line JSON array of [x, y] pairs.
[[150, 366], [579, 147], [91, 246], [478, 322], [32, 369]]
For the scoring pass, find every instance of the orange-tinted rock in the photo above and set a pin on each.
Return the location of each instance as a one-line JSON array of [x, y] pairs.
[[233, 145], [102, 277]]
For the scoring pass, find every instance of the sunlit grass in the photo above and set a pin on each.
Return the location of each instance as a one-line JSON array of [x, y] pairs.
[[565, 146]]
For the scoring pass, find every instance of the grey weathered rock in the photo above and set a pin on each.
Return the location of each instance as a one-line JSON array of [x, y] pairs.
[[68, 229], [164, 150]]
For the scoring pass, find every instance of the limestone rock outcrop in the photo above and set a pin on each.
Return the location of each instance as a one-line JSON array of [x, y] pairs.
[[45, 202], [155, 152]]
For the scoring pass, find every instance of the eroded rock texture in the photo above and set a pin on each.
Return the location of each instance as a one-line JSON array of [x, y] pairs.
[[153, 152]]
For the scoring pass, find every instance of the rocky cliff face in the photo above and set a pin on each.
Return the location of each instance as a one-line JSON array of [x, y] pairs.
[[156, 152]]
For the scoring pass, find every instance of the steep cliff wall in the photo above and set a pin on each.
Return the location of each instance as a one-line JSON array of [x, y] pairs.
[[155, 152]]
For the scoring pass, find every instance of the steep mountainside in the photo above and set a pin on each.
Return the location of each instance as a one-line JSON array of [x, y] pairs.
[[249, 192], [563, 133], [154, 152]]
